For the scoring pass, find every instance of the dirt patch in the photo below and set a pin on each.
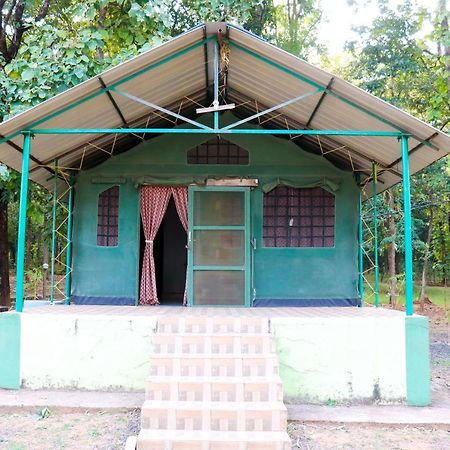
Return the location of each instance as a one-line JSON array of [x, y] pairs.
[[57, 430], [326, 436]]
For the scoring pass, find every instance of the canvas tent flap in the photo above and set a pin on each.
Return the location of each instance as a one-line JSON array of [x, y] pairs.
[[325, 183], [178, 76]]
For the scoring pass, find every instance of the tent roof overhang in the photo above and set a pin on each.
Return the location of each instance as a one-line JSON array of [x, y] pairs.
[[160, 89]]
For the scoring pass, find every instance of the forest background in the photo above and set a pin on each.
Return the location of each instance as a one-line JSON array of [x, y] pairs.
[[403, 57]]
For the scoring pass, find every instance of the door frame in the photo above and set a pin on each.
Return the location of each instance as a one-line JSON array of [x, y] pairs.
[[247, 241]]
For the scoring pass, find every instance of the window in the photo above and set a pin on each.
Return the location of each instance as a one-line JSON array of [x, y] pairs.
[[108, 217], [296, 217], [217, 151]]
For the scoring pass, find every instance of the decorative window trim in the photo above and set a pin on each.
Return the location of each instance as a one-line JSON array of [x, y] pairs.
[[299, 218], [218, 151], [108, 211]]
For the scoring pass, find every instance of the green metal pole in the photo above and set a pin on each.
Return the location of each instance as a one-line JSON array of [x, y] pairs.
[[375, 231], [216, 84], [21, 235], [290, 131], [360, 248], [408, 227], [69, 241], [55, 204]]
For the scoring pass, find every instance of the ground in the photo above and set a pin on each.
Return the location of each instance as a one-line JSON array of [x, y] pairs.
[[68, 430], [335, 436], [108, 431]]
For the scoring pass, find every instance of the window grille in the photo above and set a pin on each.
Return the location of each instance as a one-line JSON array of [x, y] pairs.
[[108, 218], [217, 151], [298, 217]]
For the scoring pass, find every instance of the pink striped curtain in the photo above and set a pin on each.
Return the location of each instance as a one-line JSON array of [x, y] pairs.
[[180, 196], [154, 201]]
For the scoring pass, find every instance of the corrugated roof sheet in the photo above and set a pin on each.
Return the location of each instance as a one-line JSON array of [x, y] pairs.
[[253, 81]]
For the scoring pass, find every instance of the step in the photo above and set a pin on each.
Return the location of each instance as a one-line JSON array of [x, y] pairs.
[[224, 343], [200, 364], [223, 389], [212, 440], [214, 324], [227, 416]]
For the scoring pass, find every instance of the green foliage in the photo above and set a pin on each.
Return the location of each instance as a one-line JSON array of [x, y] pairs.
[[296, 25], [390, 61], [33, 283]]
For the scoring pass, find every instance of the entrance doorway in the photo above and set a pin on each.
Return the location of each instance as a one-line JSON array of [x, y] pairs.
[[170, 256], [219, 247]]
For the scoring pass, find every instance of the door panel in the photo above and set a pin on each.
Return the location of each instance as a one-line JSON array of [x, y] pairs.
[[219, 287], [219, 207], [219, 246]]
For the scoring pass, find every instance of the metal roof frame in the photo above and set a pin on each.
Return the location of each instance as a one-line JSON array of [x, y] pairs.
[[209, 41]]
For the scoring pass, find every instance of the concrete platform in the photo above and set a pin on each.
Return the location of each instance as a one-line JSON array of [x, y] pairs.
[[346, 354]]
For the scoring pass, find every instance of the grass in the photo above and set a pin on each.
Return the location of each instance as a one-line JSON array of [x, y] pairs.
[[439, 295]]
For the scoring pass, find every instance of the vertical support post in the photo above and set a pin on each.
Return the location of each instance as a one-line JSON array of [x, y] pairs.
[[216, 84], [360, 245], [408, 227], [21, 235], [55, 204], [69, 240], [375, 231]]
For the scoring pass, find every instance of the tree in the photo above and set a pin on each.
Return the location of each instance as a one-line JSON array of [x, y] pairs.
[[296, 25], [16, 18]]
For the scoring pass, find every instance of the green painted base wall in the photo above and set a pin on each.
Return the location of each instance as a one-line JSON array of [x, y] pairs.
[[417, 361], [10, 350], [85, 351], [343, 359], [282, 273]]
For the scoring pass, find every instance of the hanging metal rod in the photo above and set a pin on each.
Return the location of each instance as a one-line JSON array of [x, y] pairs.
[[160, 108], [273, 108]]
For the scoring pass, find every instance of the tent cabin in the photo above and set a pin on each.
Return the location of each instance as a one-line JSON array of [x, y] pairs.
[[219, 170]]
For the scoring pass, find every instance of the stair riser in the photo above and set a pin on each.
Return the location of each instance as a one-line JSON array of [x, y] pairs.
[[171, 343], [214, 392], [213, 366], [212, 325], [147, 444], [218, 420]]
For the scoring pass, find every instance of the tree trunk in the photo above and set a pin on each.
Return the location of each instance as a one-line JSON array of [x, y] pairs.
[[101, 26], [445, 42], [391, 254], [426, 258], [5, 299]]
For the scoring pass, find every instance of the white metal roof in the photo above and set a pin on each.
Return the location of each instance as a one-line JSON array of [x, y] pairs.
[[183, 83]]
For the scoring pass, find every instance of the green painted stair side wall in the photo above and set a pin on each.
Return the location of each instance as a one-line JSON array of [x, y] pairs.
[[418, 391], [10, 350]]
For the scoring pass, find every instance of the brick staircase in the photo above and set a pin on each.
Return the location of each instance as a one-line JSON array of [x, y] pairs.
[[214, 385]]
